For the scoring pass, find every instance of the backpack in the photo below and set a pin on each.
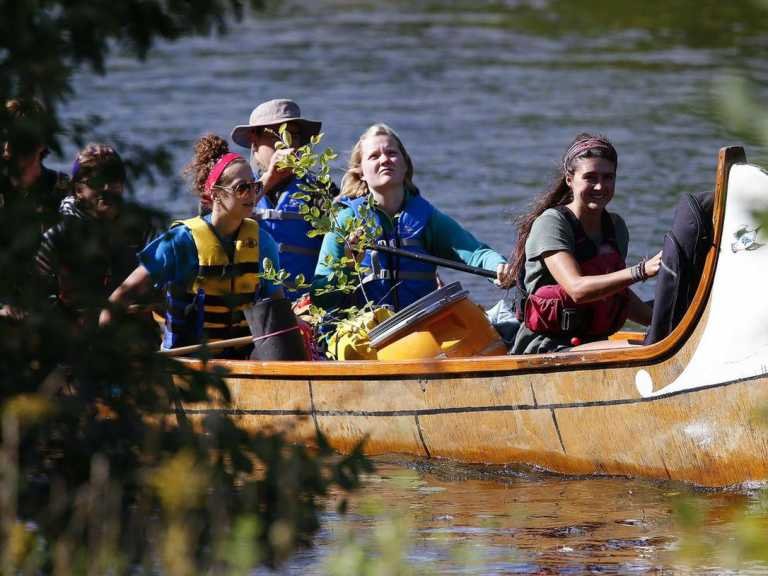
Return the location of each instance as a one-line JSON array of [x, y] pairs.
[[682, 263]]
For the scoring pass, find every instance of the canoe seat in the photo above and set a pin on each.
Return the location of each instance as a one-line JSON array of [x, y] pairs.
[[634, 337], [614, 341]]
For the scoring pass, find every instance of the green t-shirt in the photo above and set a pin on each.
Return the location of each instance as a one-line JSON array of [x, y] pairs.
[[551, 232]]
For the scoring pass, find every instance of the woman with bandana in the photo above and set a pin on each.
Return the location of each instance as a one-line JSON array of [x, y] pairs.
[[570, 257]]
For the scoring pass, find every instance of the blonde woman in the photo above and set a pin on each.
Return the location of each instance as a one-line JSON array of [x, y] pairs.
[[380, 167]]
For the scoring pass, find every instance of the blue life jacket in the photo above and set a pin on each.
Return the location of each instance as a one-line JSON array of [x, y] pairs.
[[390, 279], [298, 252]]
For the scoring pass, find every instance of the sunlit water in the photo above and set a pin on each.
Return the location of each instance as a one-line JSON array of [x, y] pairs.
[[486, 98], [476, 520]]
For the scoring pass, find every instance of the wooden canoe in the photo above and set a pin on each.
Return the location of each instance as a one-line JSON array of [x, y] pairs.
[[687, 408]]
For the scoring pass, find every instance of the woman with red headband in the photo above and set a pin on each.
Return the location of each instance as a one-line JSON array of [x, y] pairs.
[[209, 264], [570, 255]]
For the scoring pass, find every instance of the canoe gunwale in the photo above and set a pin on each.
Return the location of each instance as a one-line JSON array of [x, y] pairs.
[[486, 366]]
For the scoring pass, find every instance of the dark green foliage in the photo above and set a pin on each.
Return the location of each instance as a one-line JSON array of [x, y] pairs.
[[100, 471]]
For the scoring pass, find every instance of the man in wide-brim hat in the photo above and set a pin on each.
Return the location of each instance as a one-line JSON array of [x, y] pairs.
[[261, 134], [277, 211]]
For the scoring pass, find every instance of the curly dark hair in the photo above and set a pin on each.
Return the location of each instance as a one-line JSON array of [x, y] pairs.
[[208, 150]]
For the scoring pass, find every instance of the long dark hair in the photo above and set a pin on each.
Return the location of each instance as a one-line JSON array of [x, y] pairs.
[[559, 193]]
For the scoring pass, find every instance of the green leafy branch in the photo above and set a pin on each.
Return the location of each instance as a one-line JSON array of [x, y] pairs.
[[321, 210]]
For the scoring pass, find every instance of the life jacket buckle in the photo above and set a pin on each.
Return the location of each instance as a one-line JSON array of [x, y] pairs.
[[569, 320]]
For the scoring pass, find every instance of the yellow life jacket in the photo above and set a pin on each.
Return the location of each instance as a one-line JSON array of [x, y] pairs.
[[224, 286]]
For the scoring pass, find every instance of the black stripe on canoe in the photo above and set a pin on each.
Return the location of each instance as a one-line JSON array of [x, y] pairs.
[[459, 409]]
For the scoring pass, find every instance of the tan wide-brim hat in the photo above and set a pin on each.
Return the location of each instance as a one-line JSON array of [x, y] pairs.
[[274, 113]]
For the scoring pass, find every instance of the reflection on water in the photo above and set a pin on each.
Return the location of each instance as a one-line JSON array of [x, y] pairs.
[[486, 95], [480, 521]]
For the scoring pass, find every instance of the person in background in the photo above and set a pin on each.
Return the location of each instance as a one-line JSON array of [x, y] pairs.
[[277, 211], [380, 167], [570, 257], [24, 147], [208, 265], [30, 195], [84, 257]]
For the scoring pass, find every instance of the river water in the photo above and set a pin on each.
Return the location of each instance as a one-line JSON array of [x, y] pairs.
[[486, 96]]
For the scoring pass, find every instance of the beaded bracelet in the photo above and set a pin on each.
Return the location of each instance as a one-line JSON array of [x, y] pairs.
[[642, 269], [638, 271]]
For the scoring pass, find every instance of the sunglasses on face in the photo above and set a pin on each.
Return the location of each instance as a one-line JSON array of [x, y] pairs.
[[274, 134], [108, 191], [243, 189], [103, 184]]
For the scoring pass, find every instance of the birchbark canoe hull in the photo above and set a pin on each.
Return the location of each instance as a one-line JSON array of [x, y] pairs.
[[687, 408]]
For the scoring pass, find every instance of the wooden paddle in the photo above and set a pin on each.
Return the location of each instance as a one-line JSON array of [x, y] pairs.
[[215, 345], [437, 261]]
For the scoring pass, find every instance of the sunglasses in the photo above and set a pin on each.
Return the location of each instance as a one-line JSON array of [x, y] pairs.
[[103, 184], [243, 189], [109, 191], [274, 134]]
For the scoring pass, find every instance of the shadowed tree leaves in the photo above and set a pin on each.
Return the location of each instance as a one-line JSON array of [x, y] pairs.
[[102, 472]]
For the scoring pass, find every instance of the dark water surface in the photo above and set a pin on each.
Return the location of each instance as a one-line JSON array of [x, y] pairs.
[[486, 96]]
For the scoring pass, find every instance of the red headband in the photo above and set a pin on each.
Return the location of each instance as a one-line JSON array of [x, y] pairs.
[[219, 167]]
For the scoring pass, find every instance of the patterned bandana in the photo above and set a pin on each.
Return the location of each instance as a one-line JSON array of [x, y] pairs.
[[581, 146]]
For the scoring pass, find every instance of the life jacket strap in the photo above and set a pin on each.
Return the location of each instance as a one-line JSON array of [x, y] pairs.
[[228, 270], [283, 248], [272, 214], [229, 300], [403, 243]]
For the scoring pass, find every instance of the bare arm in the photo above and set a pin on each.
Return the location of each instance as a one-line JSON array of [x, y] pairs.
[[582, 289], [138, 282]]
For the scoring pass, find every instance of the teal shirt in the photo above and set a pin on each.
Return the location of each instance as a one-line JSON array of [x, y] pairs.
[[443, 237]]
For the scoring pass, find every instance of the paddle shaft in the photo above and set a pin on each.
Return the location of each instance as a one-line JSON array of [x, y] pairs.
[[437, 261], [245, 340], [215, 345]]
